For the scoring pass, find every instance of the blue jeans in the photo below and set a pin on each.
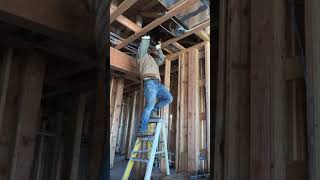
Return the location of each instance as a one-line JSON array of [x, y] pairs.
[[153, 91]]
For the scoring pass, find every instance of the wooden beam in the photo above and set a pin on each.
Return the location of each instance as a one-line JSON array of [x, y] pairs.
[[312, 26], [178, 127], [28, 116], [126, 4], [182, 6], [188, 33], [126, 128], [115, 120], [193, 111], [179, 46], [166, 109], [80, 113], [183, 130], [220, 102], [132, 123], [173, 56], [268, 128], [207, 95], [126, 22], [237, 110], [203, 35], [168, 50], [123, 63]]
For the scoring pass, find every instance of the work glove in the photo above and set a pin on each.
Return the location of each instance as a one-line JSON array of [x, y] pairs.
[[158, 46], [145, 37]]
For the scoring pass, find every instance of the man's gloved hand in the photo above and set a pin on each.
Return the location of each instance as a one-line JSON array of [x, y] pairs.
[[145, 37], [158, 46]]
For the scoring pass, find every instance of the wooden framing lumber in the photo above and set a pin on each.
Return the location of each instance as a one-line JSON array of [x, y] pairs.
[[188, 33], [268, 91], [183, 123], [203, 35], [312, 26], [132, 123], [126, 128], [115, 119], [237, 110], [4, 81], [166, 108], [126, 4], [220, 102], [28, 116], [126, 22], [207, 97], [80, 114], [182, 6], [193, 111], [179, 46], [123, 62], [173, 56]]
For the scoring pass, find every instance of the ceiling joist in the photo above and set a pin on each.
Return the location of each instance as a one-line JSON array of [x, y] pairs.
[[126, 4], [174, 11], [191, 31], [125, 21]]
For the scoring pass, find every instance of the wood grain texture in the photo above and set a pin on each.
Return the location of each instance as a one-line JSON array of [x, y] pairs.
[[312, 25], [184, 5], [28, 116]]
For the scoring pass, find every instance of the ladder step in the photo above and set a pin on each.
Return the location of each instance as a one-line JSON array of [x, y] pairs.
[[156, 120], [141, 151], [147, 138], [139, 160], [159, 152]]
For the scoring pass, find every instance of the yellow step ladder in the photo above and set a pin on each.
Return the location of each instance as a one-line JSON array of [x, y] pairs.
[[153, 142]]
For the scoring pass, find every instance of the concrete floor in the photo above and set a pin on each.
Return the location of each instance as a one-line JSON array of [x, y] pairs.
[[120, 164]]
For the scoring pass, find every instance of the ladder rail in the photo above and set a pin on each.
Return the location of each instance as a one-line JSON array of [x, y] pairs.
[[130, 163], [152, 146], [153, 152]]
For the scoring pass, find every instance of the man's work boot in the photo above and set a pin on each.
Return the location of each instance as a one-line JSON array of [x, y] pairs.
[[154, 115], [142, 130]]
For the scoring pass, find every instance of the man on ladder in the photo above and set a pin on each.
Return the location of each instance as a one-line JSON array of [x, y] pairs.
[[153, 91]]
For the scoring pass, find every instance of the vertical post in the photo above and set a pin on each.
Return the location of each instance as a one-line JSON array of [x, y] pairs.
[[126, 128], [278, 92], [193, 111], [132, 123], [166, 116], [115, 120], [268, 91], [28, 116], [183, 134], [80, 113], [121, 127], [207, 99], [178, 127], [312, 26], [237, 108], [220, 103]]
